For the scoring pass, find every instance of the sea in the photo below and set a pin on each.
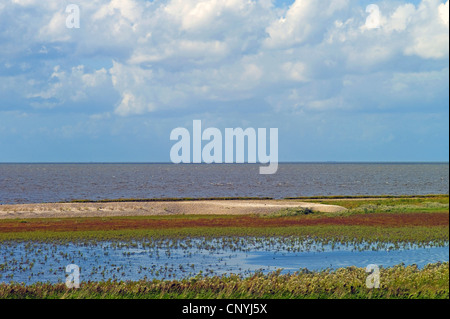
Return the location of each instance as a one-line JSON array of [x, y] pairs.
[[60, 182]]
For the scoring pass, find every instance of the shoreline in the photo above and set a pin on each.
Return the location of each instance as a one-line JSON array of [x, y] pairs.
[[383, 219], [194, 206], [157, 208]]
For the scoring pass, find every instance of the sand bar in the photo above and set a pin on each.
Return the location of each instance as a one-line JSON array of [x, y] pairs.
[[203, 207]]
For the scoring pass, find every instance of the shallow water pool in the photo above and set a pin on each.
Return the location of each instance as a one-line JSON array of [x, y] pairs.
[[31, 262]]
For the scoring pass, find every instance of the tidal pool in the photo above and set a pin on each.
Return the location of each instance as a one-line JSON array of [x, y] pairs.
[[31, 262]]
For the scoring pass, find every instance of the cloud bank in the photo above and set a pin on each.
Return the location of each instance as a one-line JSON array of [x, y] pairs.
[[145, 58]]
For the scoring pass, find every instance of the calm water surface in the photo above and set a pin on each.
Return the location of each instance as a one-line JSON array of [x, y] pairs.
[[31, 183], [32, 262]]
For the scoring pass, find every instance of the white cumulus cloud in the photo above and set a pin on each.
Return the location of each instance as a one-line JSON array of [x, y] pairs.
[[177, 54]]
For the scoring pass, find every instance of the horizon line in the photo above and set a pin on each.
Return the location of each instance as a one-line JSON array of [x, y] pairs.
[[280, 162]]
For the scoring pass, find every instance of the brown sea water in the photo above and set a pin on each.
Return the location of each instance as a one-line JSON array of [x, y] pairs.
[[34, 183]]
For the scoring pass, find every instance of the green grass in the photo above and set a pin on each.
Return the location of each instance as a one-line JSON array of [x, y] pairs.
[[402, 203], [438, 236], [371, 196], [288, 212], [431, 282]]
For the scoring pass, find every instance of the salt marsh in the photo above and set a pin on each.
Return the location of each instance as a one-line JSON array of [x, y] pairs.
[[33, 261]]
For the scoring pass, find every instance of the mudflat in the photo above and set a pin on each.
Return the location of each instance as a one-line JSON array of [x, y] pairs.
[[197, 207]]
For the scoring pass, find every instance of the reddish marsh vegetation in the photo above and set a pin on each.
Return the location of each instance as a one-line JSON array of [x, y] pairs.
[[118, 223]]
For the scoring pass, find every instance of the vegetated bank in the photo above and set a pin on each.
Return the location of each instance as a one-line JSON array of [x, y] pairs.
[[398, 282]]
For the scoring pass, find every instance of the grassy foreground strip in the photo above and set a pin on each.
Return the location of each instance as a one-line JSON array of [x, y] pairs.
[[430, 282]]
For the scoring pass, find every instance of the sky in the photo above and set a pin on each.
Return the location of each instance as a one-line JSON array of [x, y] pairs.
[[337, 86]]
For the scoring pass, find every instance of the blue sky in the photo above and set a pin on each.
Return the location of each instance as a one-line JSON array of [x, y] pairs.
[[113, 90]]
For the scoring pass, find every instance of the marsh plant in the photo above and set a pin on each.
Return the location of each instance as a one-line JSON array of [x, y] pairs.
[[173, 258], [430, 282]]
